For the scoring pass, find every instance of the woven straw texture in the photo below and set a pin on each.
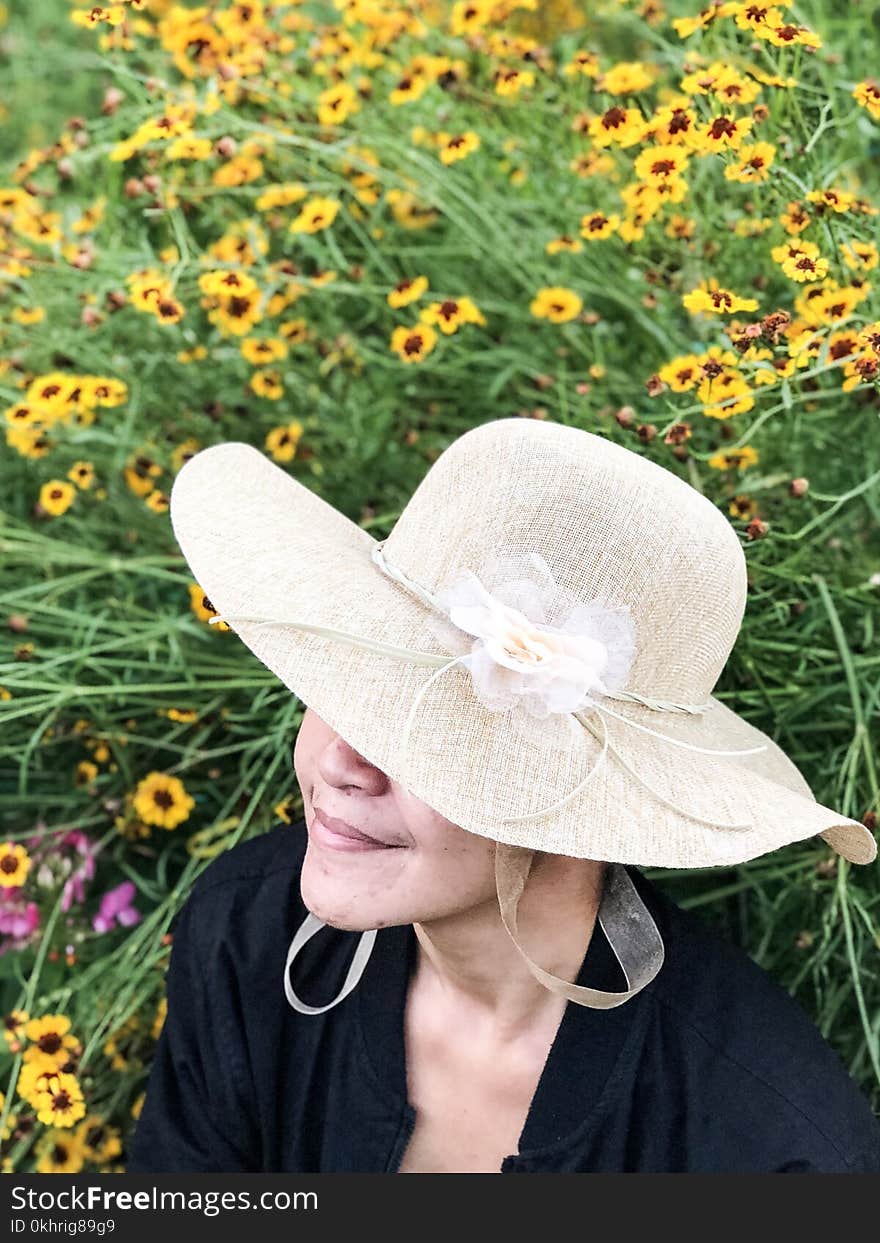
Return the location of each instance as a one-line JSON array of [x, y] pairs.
[[609, 523]]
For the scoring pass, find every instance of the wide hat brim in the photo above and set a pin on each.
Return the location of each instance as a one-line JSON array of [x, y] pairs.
[[260, 544]]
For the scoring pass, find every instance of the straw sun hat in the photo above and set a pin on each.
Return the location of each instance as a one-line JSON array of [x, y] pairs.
[[531, 652]]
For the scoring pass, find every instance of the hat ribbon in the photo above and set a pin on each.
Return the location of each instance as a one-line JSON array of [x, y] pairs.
[[629, 927], [441, 664]]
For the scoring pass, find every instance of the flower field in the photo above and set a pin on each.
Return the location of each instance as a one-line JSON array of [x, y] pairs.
[[345, 233]]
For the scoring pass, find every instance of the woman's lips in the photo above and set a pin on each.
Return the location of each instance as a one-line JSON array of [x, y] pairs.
[[339, 835]]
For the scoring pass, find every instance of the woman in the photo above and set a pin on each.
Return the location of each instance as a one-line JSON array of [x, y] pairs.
[[446, 1041], [449, 1056]]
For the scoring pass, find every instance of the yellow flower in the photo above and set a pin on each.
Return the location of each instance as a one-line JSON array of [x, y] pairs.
[[59, 1102], [658, 164], [686, 26], [722, 81], [236, 315], [91, 216], [162, 800], [801, 261], [725, 395], [753, 163], [583, 63], [680, 226], [317, 214], [457, 146], [82, 474], [860, 256], [240, 170], [185, 716], [869, 338], [99, 1141], [709, 297], [85, 773], [620, 126], [169, 310], [15, 863], [28, 314], [281, 196], [267, 384], [832, 198], [671, 125], [259, 350], [591, 164], [183, 451], [189, 147], [104, 390], [450, 314], [867, 93], [112, 15], [795, 218], [242, 244], [510, 80], [336, 103], [751, 16], [408, 290], [556, 303], [408, 88], [56, 496], [830, 303], [140, 472], [789, 35], [58, 1153], [596, 225], [281, 442], [151, 291], [722, 133], [412, 344], [743, 507], [203, 608], [734, 459], [563, 244], [13, 1026], [194, 355], [681, 373], [157, 500], [626, 78], [51, 1039], [294, 331], [226, 284]]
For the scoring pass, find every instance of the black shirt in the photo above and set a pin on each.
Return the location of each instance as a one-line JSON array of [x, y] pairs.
[[711, 1067]]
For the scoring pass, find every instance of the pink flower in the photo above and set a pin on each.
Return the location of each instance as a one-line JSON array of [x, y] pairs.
[[117, 909], [19, 919], [74, 886]]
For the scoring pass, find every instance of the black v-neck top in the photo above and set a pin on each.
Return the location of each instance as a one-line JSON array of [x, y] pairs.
[[712, 1067]]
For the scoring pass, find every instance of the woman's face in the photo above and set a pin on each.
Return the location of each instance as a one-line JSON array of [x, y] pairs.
[[421, 866]]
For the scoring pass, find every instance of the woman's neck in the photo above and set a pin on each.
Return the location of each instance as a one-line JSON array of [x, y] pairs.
[[470, 967]]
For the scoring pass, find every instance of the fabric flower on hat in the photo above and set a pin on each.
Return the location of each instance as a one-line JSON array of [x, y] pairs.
[[536, 648]]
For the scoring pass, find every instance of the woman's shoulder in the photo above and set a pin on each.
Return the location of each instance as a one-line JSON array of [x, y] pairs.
[[753, 1041]]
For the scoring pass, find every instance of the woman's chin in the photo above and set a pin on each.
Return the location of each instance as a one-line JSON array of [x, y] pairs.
[[334, 905]]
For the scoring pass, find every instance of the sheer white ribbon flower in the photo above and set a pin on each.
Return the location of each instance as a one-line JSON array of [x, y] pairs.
[[536, 648]]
